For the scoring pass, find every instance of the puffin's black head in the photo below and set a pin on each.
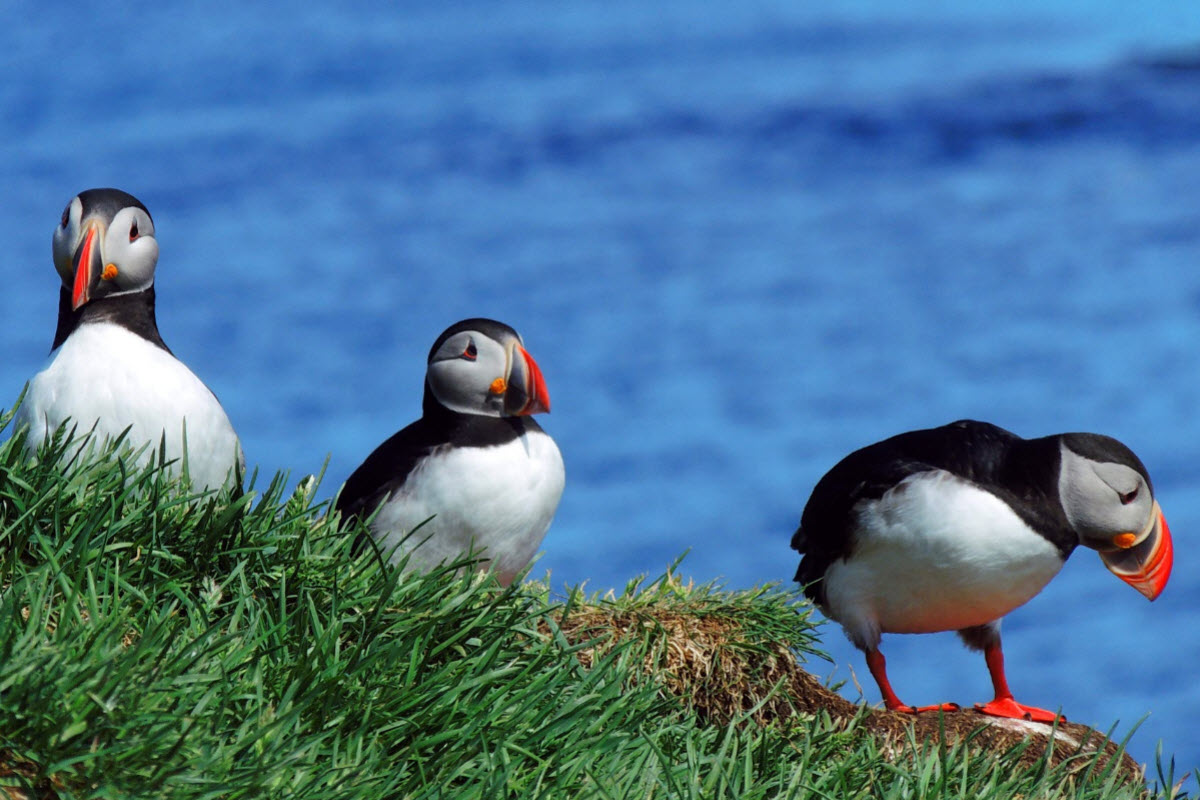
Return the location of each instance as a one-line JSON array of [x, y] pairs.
[[480, 366], [104, 245], [1109, 502]]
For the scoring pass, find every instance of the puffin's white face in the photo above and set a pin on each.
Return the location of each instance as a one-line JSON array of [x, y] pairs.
[[473, 372], [104, 245], [1112, 509], [1104, 501]]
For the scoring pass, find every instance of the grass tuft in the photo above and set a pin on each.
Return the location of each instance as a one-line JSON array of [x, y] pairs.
[[728, 655]]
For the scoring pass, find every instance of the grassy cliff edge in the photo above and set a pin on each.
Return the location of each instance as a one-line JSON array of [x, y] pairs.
[[157, 644]]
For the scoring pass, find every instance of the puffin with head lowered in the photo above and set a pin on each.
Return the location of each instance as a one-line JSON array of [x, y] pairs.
[[475, 473], [109, 370], [951, 528]]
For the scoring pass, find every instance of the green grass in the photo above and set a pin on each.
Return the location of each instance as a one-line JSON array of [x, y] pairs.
[[156, 644]]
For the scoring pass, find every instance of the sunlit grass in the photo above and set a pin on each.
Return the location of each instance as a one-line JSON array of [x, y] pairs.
[[158, 644]]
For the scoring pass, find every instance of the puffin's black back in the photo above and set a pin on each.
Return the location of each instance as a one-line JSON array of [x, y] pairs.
[[1023, 473]]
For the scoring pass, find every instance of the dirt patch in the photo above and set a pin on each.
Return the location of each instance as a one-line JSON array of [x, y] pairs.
[[19, 781]]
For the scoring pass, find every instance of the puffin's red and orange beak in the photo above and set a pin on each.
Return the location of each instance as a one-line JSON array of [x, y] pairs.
[[539, 397], [1146, 564], [526, 388], [87, 265]]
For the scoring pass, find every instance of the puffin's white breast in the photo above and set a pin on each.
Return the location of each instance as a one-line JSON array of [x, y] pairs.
[[936, 553], [107, 376], [500, 499]]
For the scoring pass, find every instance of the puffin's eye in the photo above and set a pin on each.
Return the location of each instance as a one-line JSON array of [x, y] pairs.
[[133, 231], [1126, 499], [470, 352], [66, 216]]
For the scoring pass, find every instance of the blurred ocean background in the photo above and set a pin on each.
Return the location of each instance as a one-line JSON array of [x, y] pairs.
[[741, 240]]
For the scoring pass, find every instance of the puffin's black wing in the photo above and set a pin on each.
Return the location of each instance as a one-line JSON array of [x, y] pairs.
[[972, 450], [386, 469]]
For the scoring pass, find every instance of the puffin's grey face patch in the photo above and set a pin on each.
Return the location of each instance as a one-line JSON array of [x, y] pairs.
[[1103, 500], [66, 239], [131, 250], [462, 372]]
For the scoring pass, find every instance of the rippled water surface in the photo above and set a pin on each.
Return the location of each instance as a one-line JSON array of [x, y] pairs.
[[740, 243]]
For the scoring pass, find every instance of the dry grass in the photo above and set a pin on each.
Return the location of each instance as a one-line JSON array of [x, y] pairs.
[[703, 659], [19, 780], [715, 662]]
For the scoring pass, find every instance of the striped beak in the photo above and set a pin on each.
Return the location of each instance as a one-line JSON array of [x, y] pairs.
[[1145, 564], [525, 391], [88, 264]]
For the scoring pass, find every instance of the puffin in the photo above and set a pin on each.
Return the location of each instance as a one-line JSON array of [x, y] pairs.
[[110, 374], [476, 473], [951, 528]]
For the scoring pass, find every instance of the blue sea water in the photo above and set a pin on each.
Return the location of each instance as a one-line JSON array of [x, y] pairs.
[[740, 240]]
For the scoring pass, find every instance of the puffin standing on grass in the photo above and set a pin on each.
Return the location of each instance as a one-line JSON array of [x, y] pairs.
[[475, 474], [109, 370], [951, 528]]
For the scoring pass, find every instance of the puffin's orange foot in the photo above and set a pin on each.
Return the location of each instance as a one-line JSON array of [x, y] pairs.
[[922, 709], [1007, 707]]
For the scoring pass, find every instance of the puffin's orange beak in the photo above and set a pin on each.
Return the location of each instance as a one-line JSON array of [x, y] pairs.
[[539, 397], [87, 264], [1145, 565], [526, 390]]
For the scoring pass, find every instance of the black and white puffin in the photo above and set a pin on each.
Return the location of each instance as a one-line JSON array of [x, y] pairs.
[[475, 462], [109, 367], [951, 528]]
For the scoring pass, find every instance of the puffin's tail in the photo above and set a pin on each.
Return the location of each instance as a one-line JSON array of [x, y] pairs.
[[800, 541], [800, 545]]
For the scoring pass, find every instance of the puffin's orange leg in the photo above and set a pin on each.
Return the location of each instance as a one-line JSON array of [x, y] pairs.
[[1004, 705], [878, 666]]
